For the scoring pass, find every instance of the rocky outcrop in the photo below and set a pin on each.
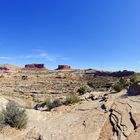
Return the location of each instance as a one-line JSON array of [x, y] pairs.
[[117, 74], [124, 73], [98, 116], [134, 89], [63, 67], [9, 67], [109, 117], [122, 121], [34, 66], [4, 68]]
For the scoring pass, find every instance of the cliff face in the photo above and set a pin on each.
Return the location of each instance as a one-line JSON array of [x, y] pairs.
[[117, 74], [4, 68], [63, 67], [34, 66]]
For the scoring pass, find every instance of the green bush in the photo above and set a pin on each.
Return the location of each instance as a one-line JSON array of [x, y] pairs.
[[123, 82], [120, 85], [117, 87], [82, 90], [1, 118], [135, 79], [14, 116], [52, 104], [48, 102], [56, 103], [72, 98]]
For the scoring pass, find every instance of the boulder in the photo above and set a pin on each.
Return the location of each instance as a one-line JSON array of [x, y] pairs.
[[54, 104], [24, 77], [63, 67], [134, 89], [42, 107]]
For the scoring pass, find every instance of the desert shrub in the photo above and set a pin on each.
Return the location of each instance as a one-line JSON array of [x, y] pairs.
[[48, 102], [56, 103], [82, 90], [117, 87], [72, 98], [14, 116], [1, 118], [120, 85], [123, 82], [135, 79], [52, 104]]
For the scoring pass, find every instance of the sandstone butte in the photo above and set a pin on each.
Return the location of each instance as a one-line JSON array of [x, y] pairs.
[[40, 66], [9, 67], [63, 67]]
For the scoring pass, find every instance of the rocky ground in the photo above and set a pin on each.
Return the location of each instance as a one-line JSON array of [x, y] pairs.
[[107, 116], [41, 84], [38, 85], [117, 118]]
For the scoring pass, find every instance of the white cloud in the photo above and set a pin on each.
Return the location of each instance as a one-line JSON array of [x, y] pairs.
[[47, 56], [38, 54], [5, 58]]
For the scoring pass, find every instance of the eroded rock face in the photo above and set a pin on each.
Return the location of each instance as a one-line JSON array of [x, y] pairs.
[[35, 66], [118, 74], [4, 68], [123, 120], [134, 89], [63, 67]]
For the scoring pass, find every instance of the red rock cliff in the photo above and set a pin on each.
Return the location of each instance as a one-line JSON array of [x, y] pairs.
[[63, 67], [34, 66]]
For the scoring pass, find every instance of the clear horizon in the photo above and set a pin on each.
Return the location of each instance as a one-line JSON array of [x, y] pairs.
[[102, 35]]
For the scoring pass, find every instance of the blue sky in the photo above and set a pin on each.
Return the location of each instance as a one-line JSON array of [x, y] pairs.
[[100, 34]]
